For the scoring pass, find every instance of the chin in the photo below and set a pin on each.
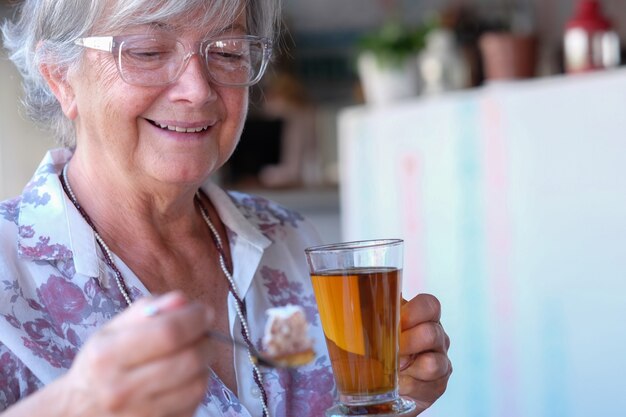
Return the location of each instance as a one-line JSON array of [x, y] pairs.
[[183, 174]]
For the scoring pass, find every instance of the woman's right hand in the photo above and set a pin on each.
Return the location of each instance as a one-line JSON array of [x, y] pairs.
[[142, 364]]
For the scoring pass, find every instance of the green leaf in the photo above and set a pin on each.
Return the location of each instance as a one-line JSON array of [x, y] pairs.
[[394, 42]]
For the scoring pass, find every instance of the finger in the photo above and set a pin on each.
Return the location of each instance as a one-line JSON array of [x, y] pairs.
[[141, 342], [159, 376], [429, 366], [166, 302], [424, 393], [424, 337], [189, 412], [165, 334], [167, 373], [422, 308], [185, 396], [179, 401], [147, 307]]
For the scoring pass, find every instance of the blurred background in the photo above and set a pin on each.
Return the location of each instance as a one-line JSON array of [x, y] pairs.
[[486, 133]]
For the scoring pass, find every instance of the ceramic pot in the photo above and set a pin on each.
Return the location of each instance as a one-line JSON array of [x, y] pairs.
[[384, 83], [508, 56]]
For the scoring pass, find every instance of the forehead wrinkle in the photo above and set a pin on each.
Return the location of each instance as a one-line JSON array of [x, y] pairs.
[[220, 21], [234, 27], [210, 30], [203, 15]]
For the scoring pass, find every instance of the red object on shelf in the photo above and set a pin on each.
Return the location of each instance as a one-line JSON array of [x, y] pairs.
[[590, 41], [589, 17]]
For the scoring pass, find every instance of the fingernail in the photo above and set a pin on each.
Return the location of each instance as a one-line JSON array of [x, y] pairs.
[[162, 303], [405, 362], [150, 310], [172, 297]]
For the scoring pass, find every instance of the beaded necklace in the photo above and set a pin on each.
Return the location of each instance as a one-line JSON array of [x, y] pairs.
[[240, 305]]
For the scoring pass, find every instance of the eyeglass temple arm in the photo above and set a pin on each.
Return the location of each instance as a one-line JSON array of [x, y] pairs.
[[101, 43]]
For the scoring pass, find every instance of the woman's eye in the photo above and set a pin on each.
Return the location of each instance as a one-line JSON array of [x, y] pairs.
[[149, 54], [145, 53], [227, 56]]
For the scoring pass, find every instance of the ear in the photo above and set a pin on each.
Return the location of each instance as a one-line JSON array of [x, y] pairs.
[[57, 80]]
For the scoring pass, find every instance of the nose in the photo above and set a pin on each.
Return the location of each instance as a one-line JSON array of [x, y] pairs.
[[194, 84]]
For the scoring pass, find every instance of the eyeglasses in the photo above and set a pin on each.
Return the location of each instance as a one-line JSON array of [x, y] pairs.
[[155, 60]]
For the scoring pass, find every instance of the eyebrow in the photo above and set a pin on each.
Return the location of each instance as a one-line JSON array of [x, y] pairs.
[[161, 26], [235, 27]]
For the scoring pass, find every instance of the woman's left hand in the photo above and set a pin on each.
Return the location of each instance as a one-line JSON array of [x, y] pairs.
[[424, 364]]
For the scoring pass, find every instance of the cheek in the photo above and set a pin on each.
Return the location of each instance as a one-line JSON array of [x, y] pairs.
[[97, 83], [121, 100], [98, 72], [108, 107], [237, 109], [237, 104], [107, 74]]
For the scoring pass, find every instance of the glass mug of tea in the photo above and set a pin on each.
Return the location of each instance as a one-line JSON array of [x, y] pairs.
[[358, 291]]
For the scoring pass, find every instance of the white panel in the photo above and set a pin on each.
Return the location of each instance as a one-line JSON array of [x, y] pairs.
[[512, 202]]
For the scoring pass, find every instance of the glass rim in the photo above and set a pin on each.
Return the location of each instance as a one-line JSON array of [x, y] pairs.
[[115, 45], [265, 44], [354, 245]]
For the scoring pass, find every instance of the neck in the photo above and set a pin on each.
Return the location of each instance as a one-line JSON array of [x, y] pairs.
[[163, 258], [162, 213]]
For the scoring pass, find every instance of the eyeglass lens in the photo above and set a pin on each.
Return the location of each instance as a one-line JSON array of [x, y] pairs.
[[160, 60]]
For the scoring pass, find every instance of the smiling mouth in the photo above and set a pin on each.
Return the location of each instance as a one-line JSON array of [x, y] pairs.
[[179, 128]]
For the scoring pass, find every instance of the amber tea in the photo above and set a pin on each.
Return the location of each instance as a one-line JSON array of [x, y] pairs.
[[357, 288], [359, 310]]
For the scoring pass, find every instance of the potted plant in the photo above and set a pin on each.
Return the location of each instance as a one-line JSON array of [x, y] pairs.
[[387, 62]]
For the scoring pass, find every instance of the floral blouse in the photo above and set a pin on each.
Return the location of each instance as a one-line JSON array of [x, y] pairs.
[[56, 290]]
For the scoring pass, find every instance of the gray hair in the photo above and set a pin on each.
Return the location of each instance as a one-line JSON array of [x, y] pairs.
[[45, 32]]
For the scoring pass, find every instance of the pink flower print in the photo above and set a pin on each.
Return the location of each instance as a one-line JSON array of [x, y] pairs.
[[13, 321], [16, 381], [9, 384], [34, 305], [306, 393], [271, 218], [65, 301], [57, 356], [31, 194], [40, 329], [26, 232], [43, 249], [281, 291], [9, 210]]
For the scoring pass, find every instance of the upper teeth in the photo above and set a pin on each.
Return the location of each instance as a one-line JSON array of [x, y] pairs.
[[183, 129]]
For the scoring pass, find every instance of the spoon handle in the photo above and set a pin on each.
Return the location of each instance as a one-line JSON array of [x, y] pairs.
[[256, 356]]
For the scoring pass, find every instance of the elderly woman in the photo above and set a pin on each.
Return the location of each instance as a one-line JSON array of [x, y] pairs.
[[120, 255]]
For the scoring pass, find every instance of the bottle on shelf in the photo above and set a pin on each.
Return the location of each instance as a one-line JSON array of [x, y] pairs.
[[590, 41]]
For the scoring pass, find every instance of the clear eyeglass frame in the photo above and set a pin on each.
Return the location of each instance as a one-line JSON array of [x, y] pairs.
[[157, 60]]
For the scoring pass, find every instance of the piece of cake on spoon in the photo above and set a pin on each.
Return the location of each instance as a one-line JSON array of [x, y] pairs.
[[286, 339]]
